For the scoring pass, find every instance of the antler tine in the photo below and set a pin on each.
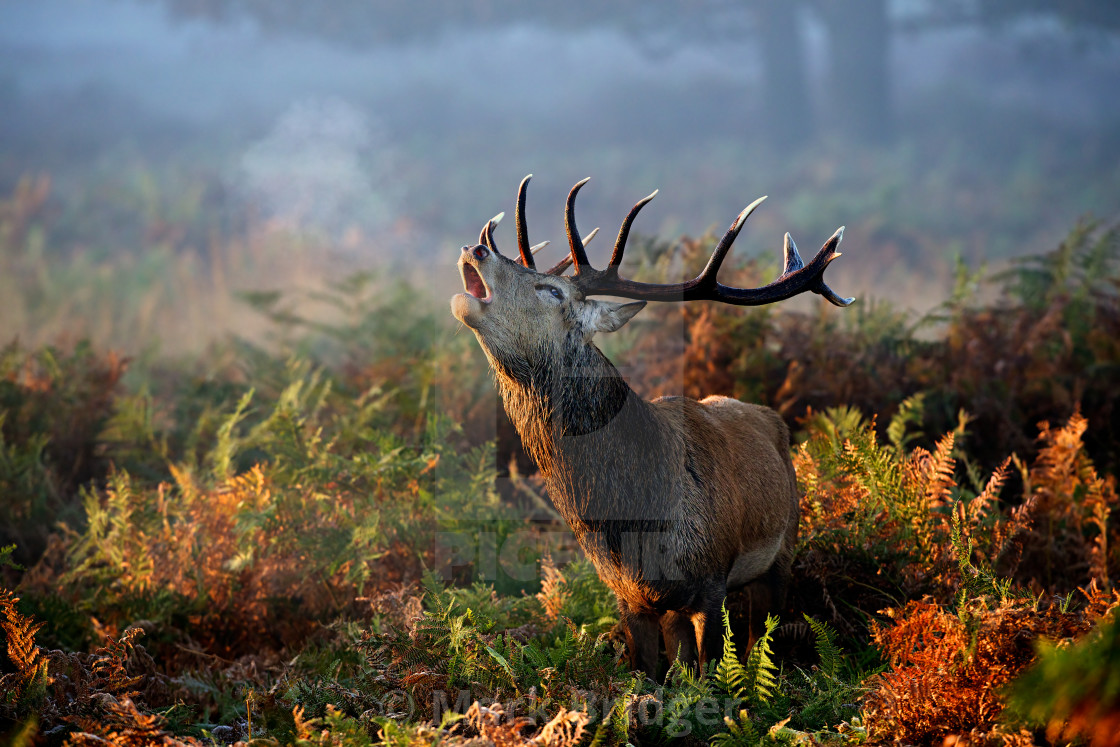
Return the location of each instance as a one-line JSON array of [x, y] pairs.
[[820, 287], [579, 255], [487, 234], [624, 232], [797, 277], [793, 263], [522, 229], [559, 267], [791, 260], [708, 276]]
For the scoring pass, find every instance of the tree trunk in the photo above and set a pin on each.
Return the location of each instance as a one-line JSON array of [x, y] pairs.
[[787, 116], [859, 95]]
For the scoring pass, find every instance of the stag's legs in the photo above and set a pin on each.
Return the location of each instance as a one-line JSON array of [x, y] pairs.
[[680, 638], [709, 634], [641, 640], [708, 623], [766, 595], [759, 594]]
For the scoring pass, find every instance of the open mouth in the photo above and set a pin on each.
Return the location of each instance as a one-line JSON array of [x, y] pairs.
[[473, 283]]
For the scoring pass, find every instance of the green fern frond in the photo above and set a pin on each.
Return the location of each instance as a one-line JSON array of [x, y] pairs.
[[504, 663], [874, 467], [687, 678], [760, 668], [603, 735], [615, 726], [826, 646], [837, 424], [536, 656], [740, 732], [910, 413], [227, 444], [978, 580], [730, 674], [8, 550], [565, 648]]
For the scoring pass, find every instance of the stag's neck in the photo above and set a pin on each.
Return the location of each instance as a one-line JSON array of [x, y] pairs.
[[570, 411]]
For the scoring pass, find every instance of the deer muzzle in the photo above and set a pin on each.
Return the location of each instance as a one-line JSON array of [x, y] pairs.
[[467, 307], [473, 283]]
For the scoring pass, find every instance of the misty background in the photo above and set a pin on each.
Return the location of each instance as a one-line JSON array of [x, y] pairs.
[[160, 158]]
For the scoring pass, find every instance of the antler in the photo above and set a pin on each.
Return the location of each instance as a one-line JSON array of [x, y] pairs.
[[486, 236], [796, 277]]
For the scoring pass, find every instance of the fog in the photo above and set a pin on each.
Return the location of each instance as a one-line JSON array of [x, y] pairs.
[[394, 137]]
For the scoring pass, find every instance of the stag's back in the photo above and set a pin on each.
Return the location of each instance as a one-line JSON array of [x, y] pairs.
[[740, 481]]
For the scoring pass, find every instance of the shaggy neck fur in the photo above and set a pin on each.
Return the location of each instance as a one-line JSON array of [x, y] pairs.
[[583, 426]]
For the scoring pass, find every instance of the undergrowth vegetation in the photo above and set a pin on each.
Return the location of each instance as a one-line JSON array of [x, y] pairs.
[[310, 543]]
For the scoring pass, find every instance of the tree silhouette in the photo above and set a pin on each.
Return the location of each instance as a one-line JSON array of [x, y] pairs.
[[858, 103]]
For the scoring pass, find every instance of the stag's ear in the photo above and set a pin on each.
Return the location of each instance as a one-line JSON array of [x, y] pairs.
[[607, 316]]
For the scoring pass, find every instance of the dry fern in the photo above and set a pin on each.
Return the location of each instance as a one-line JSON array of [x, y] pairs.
[[554, 589], [1072, 504], [949, 668], [29, 679], [123, 724], [565, 729]]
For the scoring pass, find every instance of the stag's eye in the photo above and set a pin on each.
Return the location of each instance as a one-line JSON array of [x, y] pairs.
[[553, 290]]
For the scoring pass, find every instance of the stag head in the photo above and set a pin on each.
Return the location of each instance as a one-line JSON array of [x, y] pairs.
[[514, 308]]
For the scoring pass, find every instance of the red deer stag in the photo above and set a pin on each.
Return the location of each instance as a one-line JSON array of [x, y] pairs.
[[675, 501]]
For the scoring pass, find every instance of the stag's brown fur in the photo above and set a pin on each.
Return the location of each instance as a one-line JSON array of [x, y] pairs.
[[675, 501]]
